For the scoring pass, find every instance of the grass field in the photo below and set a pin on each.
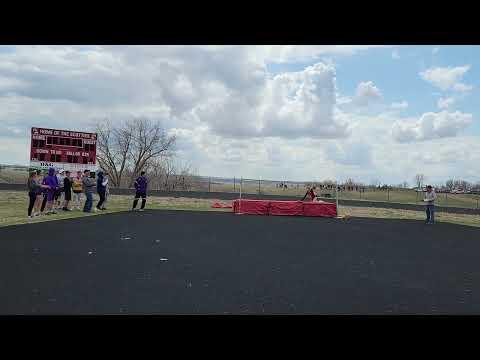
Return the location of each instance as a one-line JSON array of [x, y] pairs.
[[12, 176], [469, 201], [13, 208]]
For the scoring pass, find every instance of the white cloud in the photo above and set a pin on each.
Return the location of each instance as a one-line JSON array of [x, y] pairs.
[[400, 105], [232, 117], [462, 87], [352, 154], [431, 126], [435, 50], [366, 93], [296, 104], [446, 78], [297, 53], [395, 54], [444, 103]]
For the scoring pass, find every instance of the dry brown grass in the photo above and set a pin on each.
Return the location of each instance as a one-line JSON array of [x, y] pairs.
[[13, 208]]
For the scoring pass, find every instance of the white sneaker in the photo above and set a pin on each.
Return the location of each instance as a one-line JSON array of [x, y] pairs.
[[141, 210]]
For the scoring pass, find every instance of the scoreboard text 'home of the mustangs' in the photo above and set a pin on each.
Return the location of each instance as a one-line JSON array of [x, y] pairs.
[[63, 149]]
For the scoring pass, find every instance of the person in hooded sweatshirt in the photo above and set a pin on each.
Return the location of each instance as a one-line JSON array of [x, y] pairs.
[[140, 191], [52, 182], [101, 190]]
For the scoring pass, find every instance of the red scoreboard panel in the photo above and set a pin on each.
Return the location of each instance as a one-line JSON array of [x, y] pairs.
[[63, 149]]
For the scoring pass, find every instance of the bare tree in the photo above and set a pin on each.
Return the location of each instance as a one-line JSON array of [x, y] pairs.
[[419, 178], [149, 141], [127, 149], [449, 184], [113, 147]]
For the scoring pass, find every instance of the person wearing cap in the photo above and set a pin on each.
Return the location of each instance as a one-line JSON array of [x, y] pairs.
[[140, 191], [429, 200], [88, 186]]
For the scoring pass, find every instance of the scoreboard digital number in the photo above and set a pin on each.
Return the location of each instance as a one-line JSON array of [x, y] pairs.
[[63, 149]]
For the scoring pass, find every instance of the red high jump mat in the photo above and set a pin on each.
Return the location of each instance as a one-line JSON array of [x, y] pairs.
[[291, 208]]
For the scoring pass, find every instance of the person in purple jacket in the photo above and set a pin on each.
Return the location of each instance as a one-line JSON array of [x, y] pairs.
[[140, 191], [52, 182]]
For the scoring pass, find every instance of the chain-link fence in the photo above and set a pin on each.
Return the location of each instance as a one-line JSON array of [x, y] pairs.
[[327, 190]]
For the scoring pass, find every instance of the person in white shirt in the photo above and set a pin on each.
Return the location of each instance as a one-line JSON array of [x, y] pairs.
[[429, 200], [107, 190], [59, 194]]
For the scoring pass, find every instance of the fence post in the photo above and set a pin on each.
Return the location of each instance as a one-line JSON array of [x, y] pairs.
[[240, 201], [209, 183], [259, 186], [388, 194], [234, 184], [336, 196]]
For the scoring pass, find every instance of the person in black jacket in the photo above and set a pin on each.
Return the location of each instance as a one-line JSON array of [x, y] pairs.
[[140, 184], [67, 190], [101, 189]]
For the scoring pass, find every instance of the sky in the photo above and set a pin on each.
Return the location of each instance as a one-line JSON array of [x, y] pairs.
[[300, 113]]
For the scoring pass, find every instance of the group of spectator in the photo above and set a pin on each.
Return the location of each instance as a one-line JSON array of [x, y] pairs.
[[54, 191]]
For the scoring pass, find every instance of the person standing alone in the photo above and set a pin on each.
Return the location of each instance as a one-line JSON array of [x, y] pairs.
[[140, 191], [429, 200], [101, 190], [107, 190]]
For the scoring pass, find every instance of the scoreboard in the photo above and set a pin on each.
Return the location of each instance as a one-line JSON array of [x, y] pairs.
[[63, 149]]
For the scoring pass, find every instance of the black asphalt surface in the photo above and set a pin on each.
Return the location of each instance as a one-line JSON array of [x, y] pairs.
[[181, 262]]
